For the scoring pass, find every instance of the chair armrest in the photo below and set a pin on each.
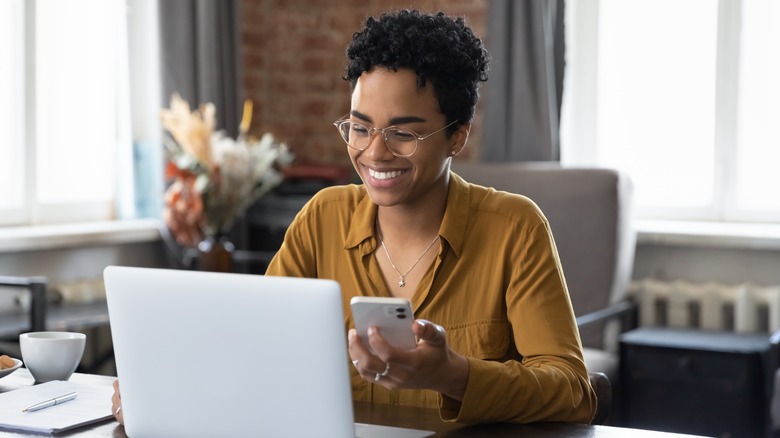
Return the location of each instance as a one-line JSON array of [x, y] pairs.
[[626, 310], [602, 386]]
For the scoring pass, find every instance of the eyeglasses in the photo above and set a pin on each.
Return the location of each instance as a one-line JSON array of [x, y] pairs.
[[401, 142]]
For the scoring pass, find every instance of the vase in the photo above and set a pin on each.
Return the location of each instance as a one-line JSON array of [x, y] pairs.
[[215, 253]]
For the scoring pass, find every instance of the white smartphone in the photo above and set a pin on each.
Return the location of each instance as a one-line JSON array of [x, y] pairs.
[[393, 316]]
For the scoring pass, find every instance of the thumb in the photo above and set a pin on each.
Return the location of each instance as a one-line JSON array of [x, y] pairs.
[[429, 332]]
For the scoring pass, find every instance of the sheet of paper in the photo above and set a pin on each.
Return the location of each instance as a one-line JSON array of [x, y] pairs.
[[93, 403]]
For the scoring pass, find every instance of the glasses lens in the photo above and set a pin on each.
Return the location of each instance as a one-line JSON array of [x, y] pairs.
[[401, 141], [355, 134]]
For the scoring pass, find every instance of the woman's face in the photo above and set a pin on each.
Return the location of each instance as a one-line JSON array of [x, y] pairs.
[[383, 98]]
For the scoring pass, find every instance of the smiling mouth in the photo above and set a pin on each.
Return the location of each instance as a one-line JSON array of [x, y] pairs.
[[384, 175]]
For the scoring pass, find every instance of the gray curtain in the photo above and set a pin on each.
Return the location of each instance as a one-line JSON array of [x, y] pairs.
[[523, 94], [200, 56]]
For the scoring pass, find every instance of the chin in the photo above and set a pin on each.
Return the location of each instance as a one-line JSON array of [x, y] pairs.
[[381, 198]]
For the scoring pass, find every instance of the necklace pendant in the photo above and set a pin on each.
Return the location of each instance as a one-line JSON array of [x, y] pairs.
[[401, 283]]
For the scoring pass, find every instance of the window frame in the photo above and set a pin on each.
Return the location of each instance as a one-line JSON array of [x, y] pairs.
[[580, 111], [32, 212]]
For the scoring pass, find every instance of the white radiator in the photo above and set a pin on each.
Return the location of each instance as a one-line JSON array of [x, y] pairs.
[[85, 290], [743, 307]]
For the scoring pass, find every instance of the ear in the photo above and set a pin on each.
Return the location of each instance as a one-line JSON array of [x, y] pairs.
[[459, 139]]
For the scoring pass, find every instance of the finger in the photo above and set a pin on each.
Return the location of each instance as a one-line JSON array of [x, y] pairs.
[[352, 348], [379, 344], [116, 397], [384, 374], [358, 353], [116, 403], [119, 415], [355, 346], [116, 409], [370, 367], [432, 334]]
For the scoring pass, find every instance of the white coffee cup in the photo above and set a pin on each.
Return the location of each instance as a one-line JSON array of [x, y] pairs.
[[52, 355]]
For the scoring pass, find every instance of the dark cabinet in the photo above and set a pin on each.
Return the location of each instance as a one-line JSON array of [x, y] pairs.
[[260, 232], [694, 381]]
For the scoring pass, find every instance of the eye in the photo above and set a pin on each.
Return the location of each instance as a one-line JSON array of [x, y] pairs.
[[400, 135], [358, 129]]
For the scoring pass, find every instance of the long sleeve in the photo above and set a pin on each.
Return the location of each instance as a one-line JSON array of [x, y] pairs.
[[548, 380]]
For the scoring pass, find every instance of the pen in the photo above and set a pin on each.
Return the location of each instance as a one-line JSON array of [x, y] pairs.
[[55, 401]]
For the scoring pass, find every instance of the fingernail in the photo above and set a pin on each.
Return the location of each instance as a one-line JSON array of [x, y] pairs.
[[371, 330]]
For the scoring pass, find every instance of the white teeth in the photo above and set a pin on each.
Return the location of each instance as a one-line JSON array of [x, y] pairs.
[[384, 175]]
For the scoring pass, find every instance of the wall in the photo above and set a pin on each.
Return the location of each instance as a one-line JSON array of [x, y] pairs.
[[701, 264], [85, 262], [293, 60], [82, 263]]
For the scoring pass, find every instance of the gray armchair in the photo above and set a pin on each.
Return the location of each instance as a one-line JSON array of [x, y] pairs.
[[589, 212]]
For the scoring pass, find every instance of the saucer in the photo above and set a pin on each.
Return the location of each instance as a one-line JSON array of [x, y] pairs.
[[6, 371]]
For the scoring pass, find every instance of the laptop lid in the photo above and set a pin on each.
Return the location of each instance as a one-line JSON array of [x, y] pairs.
[[212, 354]]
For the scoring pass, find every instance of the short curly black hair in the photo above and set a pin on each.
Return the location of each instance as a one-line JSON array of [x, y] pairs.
[[436, 47]]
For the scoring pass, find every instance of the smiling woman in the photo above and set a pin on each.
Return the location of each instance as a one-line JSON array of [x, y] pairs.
[[69, 123], [417, 231]]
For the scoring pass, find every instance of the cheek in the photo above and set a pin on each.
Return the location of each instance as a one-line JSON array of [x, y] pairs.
[[432, 167], [353, 155], [433, 157], [434, 163]]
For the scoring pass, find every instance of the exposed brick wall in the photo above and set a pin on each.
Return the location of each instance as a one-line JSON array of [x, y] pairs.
[[293, 59]]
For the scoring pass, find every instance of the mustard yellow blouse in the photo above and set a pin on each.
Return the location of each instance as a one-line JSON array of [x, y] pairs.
[[497, 287]]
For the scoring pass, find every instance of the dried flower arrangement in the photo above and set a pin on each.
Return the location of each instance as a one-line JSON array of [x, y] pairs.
[[213, 178]]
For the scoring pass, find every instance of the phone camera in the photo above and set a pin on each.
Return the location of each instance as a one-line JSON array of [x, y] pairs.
[[400, 313]]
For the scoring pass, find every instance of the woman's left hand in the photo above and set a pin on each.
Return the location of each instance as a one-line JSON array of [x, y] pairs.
[[116, 404], [430, 365]]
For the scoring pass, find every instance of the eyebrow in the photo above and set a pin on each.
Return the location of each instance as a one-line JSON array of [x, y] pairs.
[[394, 121]]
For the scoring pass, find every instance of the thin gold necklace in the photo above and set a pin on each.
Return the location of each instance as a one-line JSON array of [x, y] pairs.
[[402, 277]]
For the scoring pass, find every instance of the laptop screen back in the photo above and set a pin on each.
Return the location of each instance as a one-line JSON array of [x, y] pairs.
[[210, 354]]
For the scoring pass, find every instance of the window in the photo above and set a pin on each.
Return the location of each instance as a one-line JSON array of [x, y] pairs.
[[683, 95], [66, 121]]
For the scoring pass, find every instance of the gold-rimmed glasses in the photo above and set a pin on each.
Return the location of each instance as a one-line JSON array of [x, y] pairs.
[[401, 142]]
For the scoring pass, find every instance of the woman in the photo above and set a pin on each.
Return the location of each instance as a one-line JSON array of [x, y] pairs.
[[497, 335]]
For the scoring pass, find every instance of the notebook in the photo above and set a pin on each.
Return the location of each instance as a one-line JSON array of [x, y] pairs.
[[216, 354], [91, 405]]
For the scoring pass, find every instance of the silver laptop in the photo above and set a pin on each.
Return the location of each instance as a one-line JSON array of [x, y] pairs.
[[208, 354]]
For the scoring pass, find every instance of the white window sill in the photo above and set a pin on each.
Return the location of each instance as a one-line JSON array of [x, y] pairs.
[[709, 234], [45, 237]]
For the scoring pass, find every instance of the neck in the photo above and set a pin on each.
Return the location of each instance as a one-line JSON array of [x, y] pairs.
[[418, 221], [409, 225]]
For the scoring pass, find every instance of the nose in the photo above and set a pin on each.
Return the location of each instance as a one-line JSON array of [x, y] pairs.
[[377, 148]]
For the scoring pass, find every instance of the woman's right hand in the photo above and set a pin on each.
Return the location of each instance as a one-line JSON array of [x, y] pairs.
[[116, 404], [432, 364]]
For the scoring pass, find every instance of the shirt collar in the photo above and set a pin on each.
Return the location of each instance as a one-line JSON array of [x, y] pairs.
[[362, 226], [456, 214]]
